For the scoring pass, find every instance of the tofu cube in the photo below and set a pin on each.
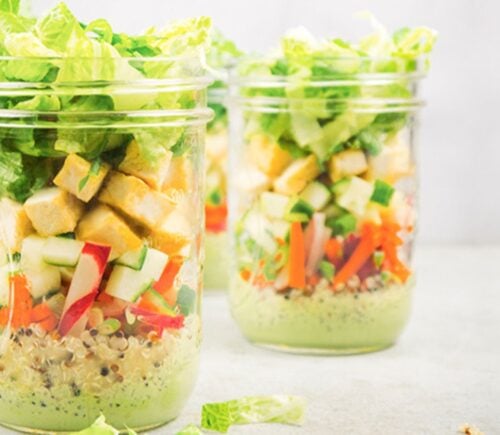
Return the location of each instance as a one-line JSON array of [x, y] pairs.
[[174, 235], [216, 146], [267, 155], [14, 225], [393, 163], [136, 199], [295, 178], [251, 181], [153, 173], [53, 211], [103, 226], [347, 163], [76, 169], [180, 176]]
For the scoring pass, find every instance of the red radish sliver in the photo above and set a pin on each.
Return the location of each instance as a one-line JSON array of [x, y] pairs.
[[315, 245], [84, 288]]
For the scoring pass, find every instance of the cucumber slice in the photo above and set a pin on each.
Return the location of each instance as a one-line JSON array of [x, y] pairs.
[[133, 259], [157, 302], [382, 193], [342, 225], [355, 196], [43, 278], [298, 210], [274, 205], [258, 226], [316, 195], [62, 251], [333, 210], [129, 284]]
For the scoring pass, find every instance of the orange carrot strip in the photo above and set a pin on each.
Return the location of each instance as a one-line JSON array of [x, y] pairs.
[[40, 312], [297, 257], [215, 217], [49, 324], [333, 249], [4, 316], [23, 303], [370, 240]]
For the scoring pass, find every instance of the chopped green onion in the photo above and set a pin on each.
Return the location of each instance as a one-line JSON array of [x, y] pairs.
[[342, 225], [327, 269], [382, 193]]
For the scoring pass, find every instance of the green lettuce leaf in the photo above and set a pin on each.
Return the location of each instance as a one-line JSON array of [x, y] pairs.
[[10, 6], [21, 176], [190, 429], [100, 427], [258, 409]]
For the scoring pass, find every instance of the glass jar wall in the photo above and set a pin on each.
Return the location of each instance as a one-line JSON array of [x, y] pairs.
[[323, 191], [101, 228], [216, 244]]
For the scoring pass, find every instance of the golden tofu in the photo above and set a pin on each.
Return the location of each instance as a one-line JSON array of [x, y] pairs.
[[14, 225], [103, 226], [174, 235], [154, 174], [251, 181], [53, 211], [295, 178], [347, 163], [180, 175], [75, 177], [393, 163], [136, 199], [267, 155], [216, 146]]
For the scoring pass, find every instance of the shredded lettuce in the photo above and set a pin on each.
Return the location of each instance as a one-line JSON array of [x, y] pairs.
[[258, 409], [10, 6], [57, 48], [190, 429], [100, 427], [325, 119]]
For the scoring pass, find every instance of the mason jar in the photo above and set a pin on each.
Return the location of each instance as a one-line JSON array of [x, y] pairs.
[[101, 225], [216, 244], [323, 203]]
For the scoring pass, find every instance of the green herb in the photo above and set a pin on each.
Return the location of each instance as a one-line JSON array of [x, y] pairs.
[[382, 193], [327, 269], [258, 409], [95, 167], [186, 300], [343, 224], [378, 258]]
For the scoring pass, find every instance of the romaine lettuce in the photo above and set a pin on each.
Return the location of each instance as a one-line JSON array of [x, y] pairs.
[[258, 409]]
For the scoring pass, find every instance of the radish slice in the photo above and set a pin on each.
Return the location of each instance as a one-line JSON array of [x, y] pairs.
[[315, 246], [83, 289]]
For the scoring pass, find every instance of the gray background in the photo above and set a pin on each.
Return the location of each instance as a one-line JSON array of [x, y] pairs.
[[459, 139]]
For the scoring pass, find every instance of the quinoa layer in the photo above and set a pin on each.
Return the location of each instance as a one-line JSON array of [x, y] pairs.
[[345, 322], [64, 384]]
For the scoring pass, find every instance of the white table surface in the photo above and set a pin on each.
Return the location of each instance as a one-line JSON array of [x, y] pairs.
[[443, 372]]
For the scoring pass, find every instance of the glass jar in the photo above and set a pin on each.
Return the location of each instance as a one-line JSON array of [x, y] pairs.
[[216, 273], [323, 193], [101, 227]]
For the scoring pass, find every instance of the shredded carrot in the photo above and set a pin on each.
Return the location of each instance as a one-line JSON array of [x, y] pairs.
[[390, 243], [245, 274], [333, 249], [4, 316], [49, 324], [215, 217], [40, 312], [370, 240], [165, 285], [22, 304], [313, 280], [297, 257]]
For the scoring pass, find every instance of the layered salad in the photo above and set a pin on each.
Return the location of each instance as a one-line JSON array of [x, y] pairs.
[[325, 187], [221, 55], [100, 221]]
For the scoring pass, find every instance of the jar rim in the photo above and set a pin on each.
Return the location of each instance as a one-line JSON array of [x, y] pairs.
[[95, 120]]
